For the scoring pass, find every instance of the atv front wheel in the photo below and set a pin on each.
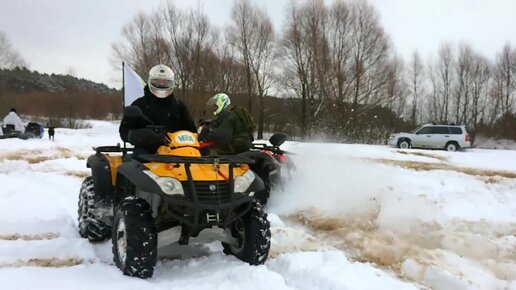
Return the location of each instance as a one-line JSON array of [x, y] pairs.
[[89, 227], [134, 238], [253, 233]]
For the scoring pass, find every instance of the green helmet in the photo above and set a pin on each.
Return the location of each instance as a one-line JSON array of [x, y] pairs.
[[221, 101]]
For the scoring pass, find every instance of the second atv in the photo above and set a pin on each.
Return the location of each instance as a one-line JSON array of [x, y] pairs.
[[174, 196]]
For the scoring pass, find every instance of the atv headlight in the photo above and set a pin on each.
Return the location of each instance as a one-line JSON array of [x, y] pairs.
[[243, 182], [169, 185]]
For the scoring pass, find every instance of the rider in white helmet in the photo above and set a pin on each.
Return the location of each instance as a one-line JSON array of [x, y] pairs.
[[159, 105], [161, 81]]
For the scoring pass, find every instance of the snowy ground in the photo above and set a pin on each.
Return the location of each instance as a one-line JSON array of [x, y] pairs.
[[353, 217]]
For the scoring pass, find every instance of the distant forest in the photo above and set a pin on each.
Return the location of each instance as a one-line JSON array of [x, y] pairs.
[[335, 59], [331, 73]]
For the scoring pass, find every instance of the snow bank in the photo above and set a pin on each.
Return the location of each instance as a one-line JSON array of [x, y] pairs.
[[353, 217]]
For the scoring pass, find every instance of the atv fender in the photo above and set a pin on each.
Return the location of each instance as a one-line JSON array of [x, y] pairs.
[[132, 170], [257, 185], [263, 162], [101, 173], [146, 188]]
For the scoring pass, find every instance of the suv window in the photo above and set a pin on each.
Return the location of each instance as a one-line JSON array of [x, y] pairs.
[[439, 130], [425, 130], [455, 130]]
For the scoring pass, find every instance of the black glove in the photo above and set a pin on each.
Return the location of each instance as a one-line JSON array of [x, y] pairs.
[[203, 132]]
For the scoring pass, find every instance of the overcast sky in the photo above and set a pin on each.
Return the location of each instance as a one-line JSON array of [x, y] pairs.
[[56, 35]]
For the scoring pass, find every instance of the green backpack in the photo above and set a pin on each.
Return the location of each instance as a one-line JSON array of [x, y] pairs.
[[246, 118]]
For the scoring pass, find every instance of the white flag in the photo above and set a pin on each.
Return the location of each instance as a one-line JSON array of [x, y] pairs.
[[133, 86]]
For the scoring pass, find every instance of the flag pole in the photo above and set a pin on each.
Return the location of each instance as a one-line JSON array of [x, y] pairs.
[[123, 86], [123, 102]]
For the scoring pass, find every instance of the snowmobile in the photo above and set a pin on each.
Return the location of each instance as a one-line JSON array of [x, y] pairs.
[[32, 130], [9, 132], [175, 196]]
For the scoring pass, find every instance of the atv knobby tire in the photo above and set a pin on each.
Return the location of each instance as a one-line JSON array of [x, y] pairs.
[[89, 227], [134, 238], [253, 233]]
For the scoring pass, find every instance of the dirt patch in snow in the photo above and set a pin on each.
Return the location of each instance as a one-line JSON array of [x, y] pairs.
[[44, 236], [80, 174], [50, 262], [427, 166], [289, 240], [490, 246], [38, 156], [429, 155]]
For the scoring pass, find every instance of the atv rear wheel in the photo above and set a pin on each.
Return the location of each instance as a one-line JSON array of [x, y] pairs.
[[134, 238], [89, 227], [253, 233]]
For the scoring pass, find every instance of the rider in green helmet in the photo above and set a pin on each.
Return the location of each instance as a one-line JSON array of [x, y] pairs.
[[232, 129]]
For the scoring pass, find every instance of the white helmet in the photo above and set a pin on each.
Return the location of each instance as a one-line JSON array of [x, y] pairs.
[[161, 81]]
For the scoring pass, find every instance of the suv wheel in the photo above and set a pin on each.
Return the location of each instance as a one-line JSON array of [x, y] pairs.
[[134, 238], [253, 233], [404, 144], [89, 227], [452, 147]]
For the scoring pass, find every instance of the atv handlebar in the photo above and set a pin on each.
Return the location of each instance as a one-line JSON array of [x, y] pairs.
[[273, 149]]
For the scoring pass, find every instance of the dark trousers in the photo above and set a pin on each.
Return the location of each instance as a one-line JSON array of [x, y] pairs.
[[137, 151]]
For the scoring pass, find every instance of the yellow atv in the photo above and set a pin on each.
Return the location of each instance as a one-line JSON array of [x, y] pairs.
[[174, 196]]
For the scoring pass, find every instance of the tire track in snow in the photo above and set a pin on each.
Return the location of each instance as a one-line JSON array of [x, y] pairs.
[[39, 155], [48, 262], [428, 166], [29, 237]]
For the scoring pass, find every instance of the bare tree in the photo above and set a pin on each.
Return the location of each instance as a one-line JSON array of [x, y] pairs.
[[240, 36], [370, 57], [9, 58], [252, 35], [416, 74], [396, 88], [445, 78], [340, 83], [463, 68], [295, 75], [190, 36], [305, 52], [136, 47], [480, 79], [505, 78]]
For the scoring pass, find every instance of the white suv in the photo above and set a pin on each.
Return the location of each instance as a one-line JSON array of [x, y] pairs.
[[449, 137]]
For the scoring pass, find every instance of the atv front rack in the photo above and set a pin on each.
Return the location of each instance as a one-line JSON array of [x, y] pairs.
[[223, 159], [111, 149], [193, 223]]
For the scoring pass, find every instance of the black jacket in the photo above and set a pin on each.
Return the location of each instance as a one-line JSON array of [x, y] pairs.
[[229, 133], [168, 112]]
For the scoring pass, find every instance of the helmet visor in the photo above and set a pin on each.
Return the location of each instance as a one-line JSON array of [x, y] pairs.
[[161, 83]]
